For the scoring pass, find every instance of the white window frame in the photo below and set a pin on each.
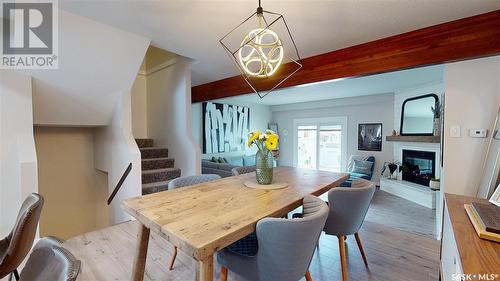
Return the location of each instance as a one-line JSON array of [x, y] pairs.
[[322, 121]]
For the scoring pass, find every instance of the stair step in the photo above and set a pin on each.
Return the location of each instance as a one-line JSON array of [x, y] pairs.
[[144, 142], [158, 175], [157, 163], [153, 152], [154, 187]]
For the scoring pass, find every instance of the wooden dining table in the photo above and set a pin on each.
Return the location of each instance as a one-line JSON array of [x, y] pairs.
[[204, 218]]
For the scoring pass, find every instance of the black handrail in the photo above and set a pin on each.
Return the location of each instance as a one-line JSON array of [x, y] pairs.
[[119, 184]]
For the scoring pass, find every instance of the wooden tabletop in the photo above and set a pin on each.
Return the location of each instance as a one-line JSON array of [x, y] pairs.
[[477, 255], [204, 218]]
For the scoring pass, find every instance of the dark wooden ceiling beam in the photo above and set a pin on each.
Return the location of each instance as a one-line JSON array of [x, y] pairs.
[[467, 38]]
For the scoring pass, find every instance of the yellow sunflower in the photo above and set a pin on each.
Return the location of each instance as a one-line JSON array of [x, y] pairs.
[[252, 137], [271, 141]]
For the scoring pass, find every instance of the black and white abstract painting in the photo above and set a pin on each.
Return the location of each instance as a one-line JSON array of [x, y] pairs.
[[225, 127]]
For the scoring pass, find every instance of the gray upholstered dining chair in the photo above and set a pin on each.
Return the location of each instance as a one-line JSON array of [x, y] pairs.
[[348, 208], [243, 170], [285, 246], [16, 246], [50, 261], [187, 181]]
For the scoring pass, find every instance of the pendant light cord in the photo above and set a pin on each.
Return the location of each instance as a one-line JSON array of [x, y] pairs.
[[259, 4]]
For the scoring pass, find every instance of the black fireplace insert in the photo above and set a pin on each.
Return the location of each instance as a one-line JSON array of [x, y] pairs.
[[418, 166]]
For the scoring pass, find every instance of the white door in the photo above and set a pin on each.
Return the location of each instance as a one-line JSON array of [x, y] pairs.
[[320, 143]]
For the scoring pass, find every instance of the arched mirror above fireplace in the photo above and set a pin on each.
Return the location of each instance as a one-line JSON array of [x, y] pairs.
[[417, 116]]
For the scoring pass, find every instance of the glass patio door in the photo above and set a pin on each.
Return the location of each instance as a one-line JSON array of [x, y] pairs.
[[320, 144]]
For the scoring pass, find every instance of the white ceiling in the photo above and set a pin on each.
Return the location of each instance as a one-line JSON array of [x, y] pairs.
[[353, 87], [192, 28]]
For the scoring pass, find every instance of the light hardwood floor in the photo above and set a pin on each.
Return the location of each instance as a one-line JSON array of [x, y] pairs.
[[392, 255], [395, 212]]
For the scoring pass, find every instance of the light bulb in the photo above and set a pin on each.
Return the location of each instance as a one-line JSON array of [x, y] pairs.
[[260, 53]]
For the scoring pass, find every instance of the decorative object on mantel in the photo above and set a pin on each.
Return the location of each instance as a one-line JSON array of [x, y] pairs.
[[266, 144], [434, 184], [370, 137], [394, 167], [394, 133], [262, 51], [436, 111]]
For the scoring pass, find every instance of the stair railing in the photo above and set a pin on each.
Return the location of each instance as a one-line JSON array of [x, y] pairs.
[[120, 183]]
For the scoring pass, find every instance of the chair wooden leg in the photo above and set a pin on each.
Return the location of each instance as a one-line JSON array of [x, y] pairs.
[[223, 273], [172, 259], [308, 276], [361, 250], [343, 257]]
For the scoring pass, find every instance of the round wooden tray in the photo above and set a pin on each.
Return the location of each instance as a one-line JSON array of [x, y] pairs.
[[275, 185]]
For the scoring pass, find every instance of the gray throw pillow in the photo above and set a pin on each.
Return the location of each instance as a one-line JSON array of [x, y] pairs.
[[362, 167]]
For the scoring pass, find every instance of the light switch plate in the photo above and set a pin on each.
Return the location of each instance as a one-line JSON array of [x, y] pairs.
[[454, 131]]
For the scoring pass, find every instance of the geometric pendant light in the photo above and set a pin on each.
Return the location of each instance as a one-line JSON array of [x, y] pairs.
[[259, 48]]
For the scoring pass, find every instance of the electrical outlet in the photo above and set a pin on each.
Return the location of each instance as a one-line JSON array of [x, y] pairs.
[[454, 131]]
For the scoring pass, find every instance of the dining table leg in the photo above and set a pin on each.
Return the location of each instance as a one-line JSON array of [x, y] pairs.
[[141, 252], [205, 269]]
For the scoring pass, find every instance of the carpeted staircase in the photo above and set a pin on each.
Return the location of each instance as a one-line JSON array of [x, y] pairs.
[[157, 168]]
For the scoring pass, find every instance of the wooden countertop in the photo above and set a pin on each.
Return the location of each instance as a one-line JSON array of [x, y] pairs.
[[477, 255]]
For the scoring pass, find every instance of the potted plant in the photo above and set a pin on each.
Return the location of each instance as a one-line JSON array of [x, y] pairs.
[[266, 144], [436, 111], [434, 184], [393, 169]]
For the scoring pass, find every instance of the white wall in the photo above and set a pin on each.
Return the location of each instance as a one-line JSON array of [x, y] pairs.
[[471, 102], [18, 163], [169, 114], [96, 61], [365, 109], [260, 116], [140, 107], [75, 192], [114, 149]]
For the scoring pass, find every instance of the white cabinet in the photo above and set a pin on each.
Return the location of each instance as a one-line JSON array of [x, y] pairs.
[[451, 266]]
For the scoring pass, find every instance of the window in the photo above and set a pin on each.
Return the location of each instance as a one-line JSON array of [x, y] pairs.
[[320, 144]]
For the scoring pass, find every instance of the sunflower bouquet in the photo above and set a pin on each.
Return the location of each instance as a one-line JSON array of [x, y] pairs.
[[267, 145], [265, 142]]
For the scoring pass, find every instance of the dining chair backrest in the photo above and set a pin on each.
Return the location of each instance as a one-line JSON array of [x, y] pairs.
[[191, 180], [348, 207], [286, 246], [243, 170], [50, 261], [16, 246]]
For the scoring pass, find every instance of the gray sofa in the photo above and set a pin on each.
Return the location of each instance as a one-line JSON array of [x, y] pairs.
[[224, 169]]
